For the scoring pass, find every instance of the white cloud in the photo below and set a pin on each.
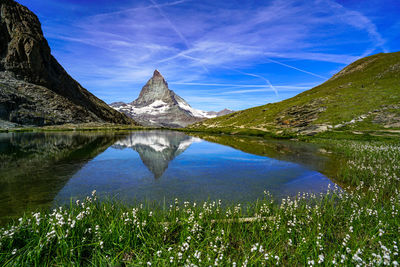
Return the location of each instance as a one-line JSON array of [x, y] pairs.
[[198, 42]]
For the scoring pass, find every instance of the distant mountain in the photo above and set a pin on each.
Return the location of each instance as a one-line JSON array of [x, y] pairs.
[[157, 105], [364, 95], [157, 148], [220, 113], [34, 87]]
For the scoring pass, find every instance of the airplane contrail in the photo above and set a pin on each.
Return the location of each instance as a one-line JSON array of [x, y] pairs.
[[292, 67], [170, 23], [260, 77], [269, 84], [174, 28], [297, 87], [118, 12]]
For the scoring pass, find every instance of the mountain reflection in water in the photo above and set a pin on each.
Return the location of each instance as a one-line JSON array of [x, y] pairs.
[[162, 165], [157, 148], [43, 170]]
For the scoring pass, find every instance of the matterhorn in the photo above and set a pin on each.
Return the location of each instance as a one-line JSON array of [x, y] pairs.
[[159, 106]]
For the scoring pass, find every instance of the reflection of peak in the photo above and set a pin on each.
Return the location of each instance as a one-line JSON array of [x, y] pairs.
[[157, 148], [153, 141]]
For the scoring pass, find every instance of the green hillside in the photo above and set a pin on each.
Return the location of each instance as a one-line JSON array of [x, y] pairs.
[[364, 95]]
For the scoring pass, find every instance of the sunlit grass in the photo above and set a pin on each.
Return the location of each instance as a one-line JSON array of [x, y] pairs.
[[368, 84]]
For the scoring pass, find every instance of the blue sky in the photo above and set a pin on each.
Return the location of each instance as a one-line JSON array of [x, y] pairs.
[[215, 54]]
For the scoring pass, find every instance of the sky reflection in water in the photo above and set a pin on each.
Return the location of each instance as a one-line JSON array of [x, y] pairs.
[[159, 165]]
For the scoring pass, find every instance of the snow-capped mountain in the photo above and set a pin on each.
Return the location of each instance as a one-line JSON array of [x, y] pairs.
[[157, 148], [157, 105]]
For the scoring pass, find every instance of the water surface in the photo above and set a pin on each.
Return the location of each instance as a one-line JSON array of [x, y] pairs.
[[41, 170]]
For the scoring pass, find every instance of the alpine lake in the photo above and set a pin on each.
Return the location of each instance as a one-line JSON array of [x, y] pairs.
[[45, 170]]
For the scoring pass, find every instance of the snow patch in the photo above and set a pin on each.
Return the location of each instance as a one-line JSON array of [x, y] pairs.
[[195, 112], [185, 144], [156, 142], [155, 108], [160, 107]]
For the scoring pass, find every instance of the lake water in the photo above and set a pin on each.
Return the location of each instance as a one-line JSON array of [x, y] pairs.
[[42, 170]]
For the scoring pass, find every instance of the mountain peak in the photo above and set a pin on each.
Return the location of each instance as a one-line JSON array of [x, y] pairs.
[[155, 89], [157, 74], [157, 105]]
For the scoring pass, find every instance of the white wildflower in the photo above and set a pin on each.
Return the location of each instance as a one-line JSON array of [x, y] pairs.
[[321, 259]]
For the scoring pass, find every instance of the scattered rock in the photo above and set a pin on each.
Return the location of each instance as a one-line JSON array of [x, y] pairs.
[[313, 129], [301, 116], [384, 116], [387, 119]]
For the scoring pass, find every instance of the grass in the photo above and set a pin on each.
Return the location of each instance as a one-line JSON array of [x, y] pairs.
[[366, 85], [360, 226], [78, 127], [239, 132]]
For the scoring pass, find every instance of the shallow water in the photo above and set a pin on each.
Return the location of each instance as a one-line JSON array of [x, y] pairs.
[[41, 170]]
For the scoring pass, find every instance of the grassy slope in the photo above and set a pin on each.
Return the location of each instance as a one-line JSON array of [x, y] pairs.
[[363, 86]]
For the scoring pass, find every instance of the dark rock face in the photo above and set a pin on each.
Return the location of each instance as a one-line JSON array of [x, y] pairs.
[[157, 105], [34, 87], [155, 89]]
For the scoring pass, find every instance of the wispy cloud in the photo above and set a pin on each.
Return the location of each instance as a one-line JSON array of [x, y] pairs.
[[173, 27], [358, 20], [283, 88], [127, 11], [218, 84], [200, 45]]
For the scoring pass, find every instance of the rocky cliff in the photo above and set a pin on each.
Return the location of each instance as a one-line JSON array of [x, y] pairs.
[[34, 88]]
